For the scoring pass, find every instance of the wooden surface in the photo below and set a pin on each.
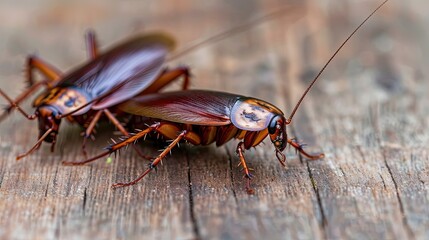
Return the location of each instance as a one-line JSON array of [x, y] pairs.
[[369, 114]]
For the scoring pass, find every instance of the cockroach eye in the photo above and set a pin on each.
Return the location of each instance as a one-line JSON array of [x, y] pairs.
[[274, 126]]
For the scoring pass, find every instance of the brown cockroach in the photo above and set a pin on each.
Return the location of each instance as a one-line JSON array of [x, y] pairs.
[[83, 95], [203, 117]]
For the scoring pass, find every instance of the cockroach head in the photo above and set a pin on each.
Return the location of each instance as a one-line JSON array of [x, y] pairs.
[[277, 131], [47, 120]]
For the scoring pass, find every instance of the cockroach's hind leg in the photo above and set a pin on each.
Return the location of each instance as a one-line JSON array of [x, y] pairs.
[[155, 162], [115, 147], [299, 148], [119, 126]]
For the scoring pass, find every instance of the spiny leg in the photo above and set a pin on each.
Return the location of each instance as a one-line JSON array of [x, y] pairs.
[[89, 129], [52, 76], [299, 148], [155, 162], [115, 121], [51, 73], [282, 158], [14, 105], [247, 174], [20, 98], [121, 128], [114, 147]]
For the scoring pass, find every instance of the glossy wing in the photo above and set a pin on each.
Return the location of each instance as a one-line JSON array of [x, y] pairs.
[[123, 71], [197, 107]]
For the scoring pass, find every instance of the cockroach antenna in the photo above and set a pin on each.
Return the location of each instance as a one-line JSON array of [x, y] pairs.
[[329, 61], [235, 30]]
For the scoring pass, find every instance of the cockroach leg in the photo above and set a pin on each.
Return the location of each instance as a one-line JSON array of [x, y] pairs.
[[33, 62], [20, 98], [115, 122], [299, 148], [47, 70], [121, 128], [282, 158], [186, 75], [167, 77], [89, 129], [36, 146], [155, 162], [117, 146], [91, 44], [54, 141], [15, 105], [247, 174]]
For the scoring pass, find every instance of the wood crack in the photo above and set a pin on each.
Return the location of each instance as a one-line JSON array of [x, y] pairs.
[[85, 193], [323, 223], [231, 169], [194, 222], [398, 196], [374, 119], [1, 180], [382, 180], [84, 200]]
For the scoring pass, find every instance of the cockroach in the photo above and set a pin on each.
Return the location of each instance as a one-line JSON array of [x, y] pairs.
[[83, 95], [202, 117]]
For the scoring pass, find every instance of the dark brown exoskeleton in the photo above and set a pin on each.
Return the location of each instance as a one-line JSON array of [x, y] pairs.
[[93, 89], [203, 117]]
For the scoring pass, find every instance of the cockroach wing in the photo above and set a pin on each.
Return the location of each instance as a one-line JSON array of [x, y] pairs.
[[253, 114], [139, 71], [122, 72], [198, 107]]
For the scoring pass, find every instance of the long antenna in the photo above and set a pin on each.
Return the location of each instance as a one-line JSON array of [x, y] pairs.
[[330, 59], [234, 30]]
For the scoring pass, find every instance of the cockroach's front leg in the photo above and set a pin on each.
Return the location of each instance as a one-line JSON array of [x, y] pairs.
[[247, 174], [51, 74], [299, 147]]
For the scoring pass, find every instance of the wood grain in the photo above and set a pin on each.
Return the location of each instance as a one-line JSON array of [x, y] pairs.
[[369, 114]]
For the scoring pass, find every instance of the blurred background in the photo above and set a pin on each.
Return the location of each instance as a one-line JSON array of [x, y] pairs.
[[381, 72]]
